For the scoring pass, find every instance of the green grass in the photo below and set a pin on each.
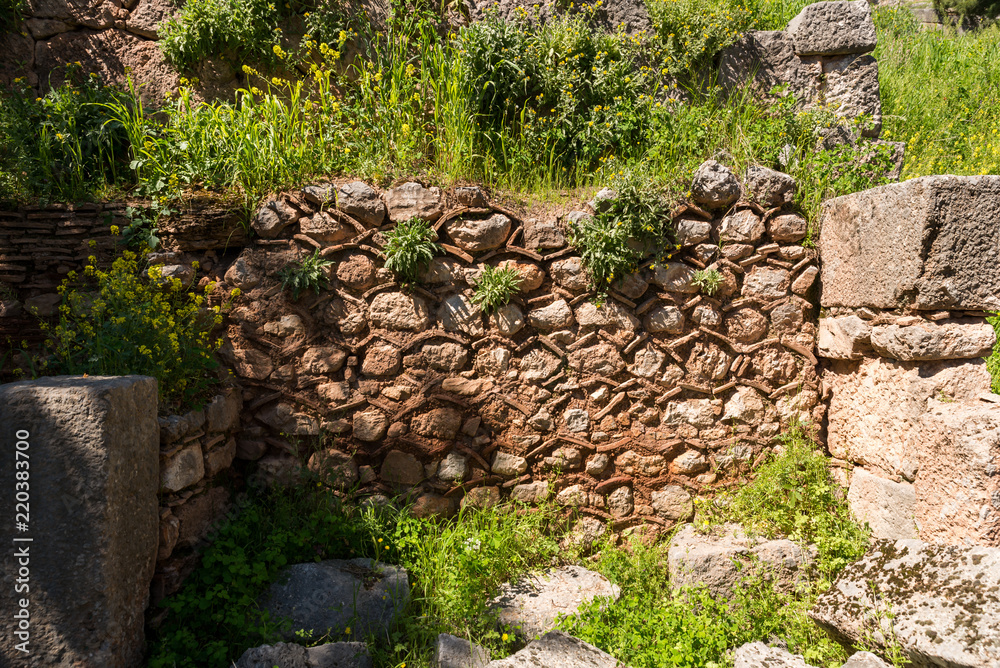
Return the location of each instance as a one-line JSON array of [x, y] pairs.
[[940, 95], [456, 566], [791, 494]]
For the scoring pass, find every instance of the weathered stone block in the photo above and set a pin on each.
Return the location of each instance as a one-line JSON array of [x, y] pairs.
[[928, 341], [833, 28], [93, 448], [944, 602], [927, 243], [886, 506]]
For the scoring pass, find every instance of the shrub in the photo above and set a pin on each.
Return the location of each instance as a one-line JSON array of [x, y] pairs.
[[114, 322], [496, 286], [964, 8], [793, 494], [708, 280], [241, 30], [69, 146], [555, 100], [652, 625], [308, 274], [454, 569], [691, 32], [410, 248], [634, 225]]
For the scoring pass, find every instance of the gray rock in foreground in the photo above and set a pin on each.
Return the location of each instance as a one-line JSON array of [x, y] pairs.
[[93, 447], [529, 606], [721, 560], [454, 652], [865, 660], [945, 602], [334, 595], [927, 243], [287, 655], [557, 649], [759, 655]]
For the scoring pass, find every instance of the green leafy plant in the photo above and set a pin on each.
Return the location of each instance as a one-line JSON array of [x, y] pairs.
[[241, 30], [410, 248], [708, 280], [632, 226], [307, 274], [11, 13], [878, 632], [114, 322], [496, 286], [654, 624], [792, 494], [993, 361], [70, 147]]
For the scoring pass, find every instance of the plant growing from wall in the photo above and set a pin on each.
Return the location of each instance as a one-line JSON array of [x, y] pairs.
[[410, 248], [632, 226], [307, 274], [708, 280], [115, 322], [496, 286]]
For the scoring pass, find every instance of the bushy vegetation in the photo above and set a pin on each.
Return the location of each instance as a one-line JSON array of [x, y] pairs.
[[309, 273], [496, 286], [64, 146], [11, 13], [940, 95], [455, 567], [410, 248], [115, 322], [791, 494]]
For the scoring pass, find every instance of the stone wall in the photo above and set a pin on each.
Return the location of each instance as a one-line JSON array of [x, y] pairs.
[[108, 37], [908, 273], [196, 452], [625, 408]]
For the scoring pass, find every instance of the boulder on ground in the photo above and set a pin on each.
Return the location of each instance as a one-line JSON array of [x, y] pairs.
[[454, 652], [722, 559], [760, 655], [339, 594], [884, 505], [529, 606], [557, 648], [288, 655], [944, 602]]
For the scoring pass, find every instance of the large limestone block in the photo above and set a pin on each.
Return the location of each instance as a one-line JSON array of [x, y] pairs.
[[759, 655], [339, 594], [93, 449], [927, 243], [928, 341], [727, 556], [876, 405], [923, 422], [945, 602], [557, 648], [833, 28], [886, 506], [851, 89], [764, 59], [530, 605], [957, 483], [287, 655], [844, 338]]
